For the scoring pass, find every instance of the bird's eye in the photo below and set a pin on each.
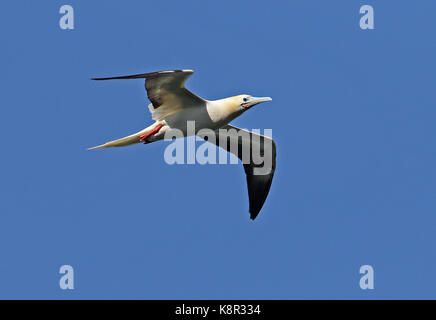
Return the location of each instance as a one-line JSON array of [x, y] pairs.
[[245, 99]]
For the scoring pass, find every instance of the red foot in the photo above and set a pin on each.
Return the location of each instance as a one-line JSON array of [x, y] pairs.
[[151, 132]]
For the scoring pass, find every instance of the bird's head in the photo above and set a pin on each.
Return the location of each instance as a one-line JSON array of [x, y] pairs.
[[234, 106], [246, 101]]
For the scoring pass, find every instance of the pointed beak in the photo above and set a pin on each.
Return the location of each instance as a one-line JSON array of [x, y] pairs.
[[252, 101]]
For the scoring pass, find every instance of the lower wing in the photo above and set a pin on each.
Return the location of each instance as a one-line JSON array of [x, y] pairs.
[[258, 155]]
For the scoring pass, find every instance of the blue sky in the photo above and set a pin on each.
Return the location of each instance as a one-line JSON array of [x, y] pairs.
[[353, 115]]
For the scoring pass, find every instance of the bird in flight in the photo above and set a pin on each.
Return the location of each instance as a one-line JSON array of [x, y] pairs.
[[173, 106]]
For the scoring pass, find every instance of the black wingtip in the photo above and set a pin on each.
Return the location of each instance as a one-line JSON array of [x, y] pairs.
[[146, 75], [134, 76], [104, 78], [253, 215], [112, 78]]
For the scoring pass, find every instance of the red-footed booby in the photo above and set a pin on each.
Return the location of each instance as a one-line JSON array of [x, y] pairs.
[[173, 106]]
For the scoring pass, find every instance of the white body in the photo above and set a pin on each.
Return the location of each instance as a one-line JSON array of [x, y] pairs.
[[213, 115]]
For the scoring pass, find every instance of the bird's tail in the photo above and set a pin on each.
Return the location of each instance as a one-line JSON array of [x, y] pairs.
[[132, 139]]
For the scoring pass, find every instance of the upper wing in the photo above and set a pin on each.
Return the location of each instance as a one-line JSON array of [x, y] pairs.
[[166, 91], [259, 175]]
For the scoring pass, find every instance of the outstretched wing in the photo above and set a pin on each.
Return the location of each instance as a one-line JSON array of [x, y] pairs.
[[259, 175], [166, 91]]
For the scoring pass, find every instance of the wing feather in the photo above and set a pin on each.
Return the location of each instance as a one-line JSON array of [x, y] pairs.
[[259, 175], [166, 91]]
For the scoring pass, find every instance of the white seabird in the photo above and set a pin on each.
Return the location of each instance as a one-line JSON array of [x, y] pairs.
[[172, 106]]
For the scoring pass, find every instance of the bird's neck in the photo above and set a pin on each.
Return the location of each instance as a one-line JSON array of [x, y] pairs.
[[224, 109]]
